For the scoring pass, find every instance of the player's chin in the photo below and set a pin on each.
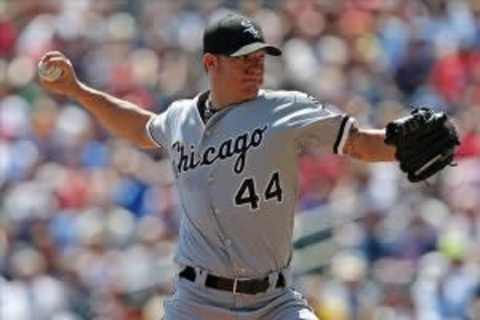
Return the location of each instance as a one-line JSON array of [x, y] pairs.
[[251, 91], [252, 87]]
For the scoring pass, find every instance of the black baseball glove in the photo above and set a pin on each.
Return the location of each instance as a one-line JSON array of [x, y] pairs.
[[425, 142]]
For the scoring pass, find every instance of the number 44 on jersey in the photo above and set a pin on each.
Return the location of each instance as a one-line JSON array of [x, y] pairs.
[[247, 193]]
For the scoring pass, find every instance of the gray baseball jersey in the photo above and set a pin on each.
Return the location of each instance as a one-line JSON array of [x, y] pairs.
[[237, 176]]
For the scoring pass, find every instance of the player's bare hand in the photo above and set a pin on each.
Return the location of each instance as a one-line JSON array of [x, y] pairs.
[[66, 83]]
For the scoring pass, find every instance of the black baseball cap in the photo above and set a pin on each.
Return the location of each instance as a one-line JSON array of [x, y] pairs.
[[235, 35]]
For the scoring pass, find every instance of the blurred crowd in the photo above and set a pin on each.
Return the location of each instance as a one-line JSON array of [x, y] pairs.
[[88, 224]]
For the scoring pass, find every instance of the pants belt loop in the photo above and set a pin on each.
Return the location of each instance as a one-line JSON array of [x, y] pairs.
[[272, 279], [287, 276], [201, 276], [235, 284]]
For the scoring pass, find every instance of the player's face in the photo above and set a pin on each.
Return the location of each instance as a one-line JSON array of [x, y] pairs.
[[244, 74]]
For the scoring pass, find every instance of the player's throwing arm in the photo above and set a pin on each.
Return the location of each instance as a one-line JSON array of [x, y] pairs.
[[120, 117]]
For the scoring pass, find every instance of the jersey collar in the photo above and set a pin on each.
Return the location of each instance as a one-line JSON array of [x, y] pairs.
[[203, 97]]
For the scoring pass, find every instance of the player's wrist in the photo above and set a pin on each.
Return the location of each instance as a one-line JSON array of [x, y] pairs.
[[79, 91]]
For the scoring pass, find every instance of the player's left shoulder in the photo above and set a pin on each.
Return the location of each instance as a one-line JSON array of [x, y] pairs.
[[288, 102], [282, 95], [308, 99], [294, 96]]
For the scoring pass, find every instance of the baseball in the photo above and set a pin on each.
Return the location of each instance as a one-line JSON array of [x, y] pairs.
[[49, 73]]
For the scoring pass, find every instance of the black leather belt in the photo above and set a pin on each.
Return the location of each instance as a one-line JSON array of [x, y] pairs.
[[245, 286]]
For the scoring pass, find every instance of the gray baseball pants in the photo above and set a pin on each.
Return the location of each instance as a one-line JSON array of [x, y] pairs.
[[194, 301]]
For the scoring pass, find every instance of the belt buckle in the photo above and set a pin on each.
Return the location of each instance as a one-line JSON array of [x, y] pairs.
[[235, 285]]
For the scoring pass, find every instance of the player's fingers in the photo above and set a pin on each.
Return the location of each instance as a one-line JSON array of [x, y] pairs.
[[50, 55], [59, 62], [53, 58]]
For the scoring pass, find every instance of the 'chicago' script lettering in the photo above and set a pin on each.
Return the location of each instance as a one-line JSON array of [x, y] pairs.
[[238, 146]]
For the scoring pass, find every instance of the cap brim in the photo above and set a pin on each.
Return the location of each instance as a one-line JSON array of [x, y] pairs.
[[252, 47]]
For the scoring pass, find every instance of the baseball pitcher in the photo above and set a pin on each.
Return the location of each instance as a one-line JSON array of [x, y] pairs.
[[234, 150]]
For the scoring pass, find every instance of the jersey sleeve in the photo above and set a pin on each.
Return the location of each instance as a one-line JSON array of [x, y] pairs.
[[320, 126], [157, 129]]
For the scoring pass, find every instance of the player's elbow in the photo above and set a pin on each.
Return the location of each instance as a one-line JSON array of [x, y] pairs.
[[142, 141]]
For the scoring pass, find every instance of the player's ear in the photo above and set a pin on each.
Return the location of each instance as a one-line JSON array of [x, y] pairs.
[[210, 62]]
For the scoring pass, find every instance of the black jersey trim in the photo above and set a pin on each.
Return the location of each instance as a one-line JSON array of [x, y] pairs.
[[201, 104], [340, 134]]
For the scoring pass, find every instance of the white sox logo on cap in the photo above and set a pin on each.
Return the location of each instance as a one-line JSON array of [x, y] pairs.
[[250, 27]]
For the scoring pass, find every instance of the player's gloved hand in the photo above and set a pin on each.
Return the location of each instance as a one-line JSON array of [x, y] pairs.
[[425, 142], [67, 83]]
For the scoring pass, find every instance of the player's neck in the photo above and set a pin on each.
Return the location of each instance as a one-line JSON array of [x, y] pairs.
[[218, 101]]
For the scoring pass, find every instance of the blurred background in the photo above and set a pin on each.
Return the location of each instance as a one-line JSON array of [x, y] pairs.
[[88, 223]]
